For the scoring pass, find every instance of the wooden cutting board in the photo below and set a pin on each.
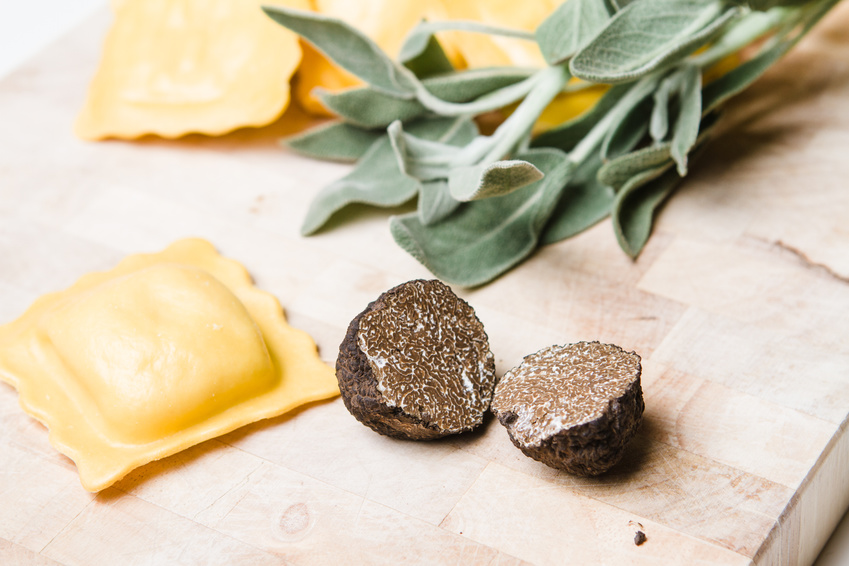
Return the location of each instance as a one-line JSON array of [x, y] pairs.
[[738, 307]]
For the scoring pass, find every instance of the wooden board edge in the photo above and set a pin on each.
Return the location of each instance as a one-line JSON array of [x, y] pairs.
[[814, 511]]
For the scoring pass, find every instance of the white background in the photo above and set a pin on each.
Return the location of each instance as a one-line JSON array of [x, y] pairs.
[[28, 26]]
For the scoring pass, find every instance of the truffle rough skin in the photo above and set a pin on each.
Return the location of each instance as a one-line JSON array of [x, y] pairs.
[[572, 407], [416, 364]]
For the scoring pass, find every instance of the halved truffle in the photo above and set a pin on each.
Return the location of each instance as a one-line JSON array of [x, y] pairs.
[[416, 364], [572, 407]]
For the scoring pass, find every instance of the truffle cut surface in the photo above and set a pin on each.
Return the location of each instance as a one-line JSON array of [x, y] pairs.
[[558, 388], [572, 407], [425, 362]]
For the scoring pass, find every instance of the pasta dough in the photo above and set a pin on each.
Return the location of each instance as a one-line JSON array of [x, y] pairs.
[[162, 352], [174, 67]]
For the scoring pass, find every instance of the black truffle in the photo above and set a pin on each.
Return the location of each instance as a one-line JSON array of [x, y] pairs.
[[572, 407], [416, 364]]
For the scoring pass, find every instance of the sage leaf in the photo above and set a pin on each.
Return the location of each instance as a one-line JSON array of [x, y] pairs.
[[616, 5], [566, 136], [427, 160], [636, 204], [514, 131], [749, 28], [490, 101], [485, 181], [626, 120], [428, 157], [419, 37], [348, 48], [442, 130], [463, 86], [583, 203], [570, 27], [733, 82], [763, 5], [628, 132], [646, 34], [484, 238], [336, 141], [377, 180], [435, 202], [371, 108], [422, 159], [739, 78], [582, 206], [430, 61], [659, 122], [745, 74], [619, 171], [690, 115]]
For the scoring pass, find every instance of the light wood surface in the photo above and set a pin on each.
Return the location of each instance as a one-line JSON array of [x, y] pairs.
[[737, 306]]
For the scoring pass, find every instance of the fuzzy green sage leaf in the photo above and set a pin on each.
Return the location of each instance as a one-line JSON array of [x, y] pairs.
[[372, 108], [485, 238], [659, 121], [689, 117], [627, 119], [583, 203], [492, 100], [435, 202], [477, 182], [336, 141], [736, 80], [570, 27], [617, 172], [589, 167], [430, 61], [647, 34], [377, 179], [567, 135], [636, 205], [349, 48]]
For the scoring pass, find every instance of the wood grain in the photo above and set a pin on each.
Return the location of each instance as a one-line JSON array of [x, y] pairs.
[[737, 306]]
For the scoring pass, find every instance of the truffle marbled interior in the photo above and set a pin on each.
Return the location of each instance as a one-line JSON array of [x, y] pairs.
[[563, 386], [429, 355]]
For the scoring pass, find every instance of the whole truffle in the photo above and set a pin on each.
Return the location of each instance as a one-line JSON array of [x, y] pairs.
[[416, 364], [572, 407]]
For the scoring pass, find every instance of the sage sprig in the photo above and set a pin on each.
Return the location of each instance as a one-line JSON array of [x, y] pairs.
[[485, 202]]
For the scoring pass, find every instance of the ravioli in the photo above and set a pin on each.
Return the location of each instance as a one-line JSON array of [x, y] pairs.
[[160, 353], [175, 67]]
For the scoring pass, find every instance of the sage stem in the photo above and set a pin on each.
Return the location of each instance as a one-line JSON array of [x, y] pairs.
[[508, 135]]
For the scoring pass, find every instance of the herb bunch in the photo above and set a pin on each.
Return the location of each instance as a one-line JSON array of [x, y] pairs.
[[485, 202]]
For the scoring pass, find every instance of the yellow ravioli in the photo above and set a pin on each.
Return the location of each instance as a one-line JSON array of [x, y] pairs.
[[173, 67], [160, 353]]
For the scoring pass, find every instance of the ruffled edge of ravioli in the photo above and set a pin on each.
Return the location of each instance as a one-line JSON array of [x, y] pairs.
[[257, 97], [101, 462]]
